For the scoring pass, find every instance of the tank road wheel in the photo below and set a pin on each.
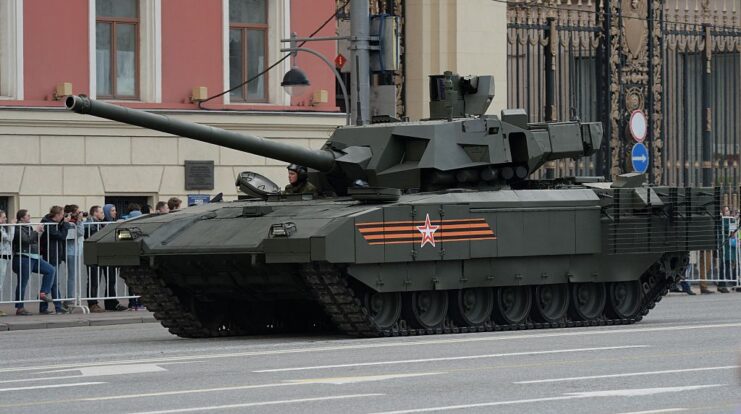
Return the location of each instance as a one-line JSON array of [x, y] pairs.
[[624, 299], [472, 307], [512, 305], [550, 303], [426, 309], [384, 308], [587, 301]]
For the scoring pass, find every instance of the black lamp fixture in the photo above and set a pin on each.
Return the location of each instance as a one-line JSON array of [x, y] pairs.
[[295, 82]]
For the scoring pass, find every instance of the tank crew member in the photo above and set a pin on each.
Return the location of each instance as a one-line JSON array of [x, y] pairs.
[[297, 183]]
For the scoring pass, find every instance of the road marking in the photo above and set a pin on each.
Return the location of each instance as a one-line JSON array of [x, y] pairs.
[[39, 387], [355, 380], [258, 404], [97, 371], [289, 383], [456, 358], [569, 396], [666, 410], [628, 374], [105, 370], [381, 343], [640, 392]]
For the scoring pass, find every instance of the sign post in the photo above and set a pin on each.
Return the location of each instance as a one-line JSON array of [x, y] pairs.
[[639, 158], [638, 125]]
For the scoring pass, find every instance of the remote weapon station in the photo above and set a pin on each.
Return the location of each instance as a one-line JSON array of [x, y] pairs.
[[416, 228]]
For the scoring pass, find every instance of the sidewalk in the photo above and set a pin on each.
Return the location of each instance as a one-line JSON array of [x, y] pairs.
[[35, 321]]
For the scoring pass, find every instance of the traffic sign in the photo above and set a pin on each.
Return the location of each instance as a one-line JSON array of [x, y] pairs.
[[340, 60], [639, 158], [638, 125]]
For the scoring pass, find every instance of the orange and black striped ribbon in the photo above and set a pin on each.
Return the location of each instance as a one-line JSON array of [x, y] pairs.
[[406, 232]]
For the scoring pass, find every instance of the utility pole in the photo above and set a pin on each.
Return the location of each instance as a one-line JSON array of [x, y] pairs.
[[360, 59]]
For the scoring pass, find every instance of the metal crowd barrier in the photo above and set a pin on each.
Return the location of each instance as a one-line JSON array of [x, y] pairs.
[[719, 267], [74, 285]]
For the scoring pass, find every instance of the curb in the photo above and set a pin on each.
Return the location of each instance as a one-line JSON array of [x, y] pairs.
[[74, 322]]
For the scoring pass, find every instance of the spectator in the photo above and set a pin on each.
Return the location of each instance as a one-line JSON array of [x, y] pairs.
[[728, 268], [75, 237], [133, 210], [174, 203], [162, 208], [95, 222], [28, 260], [54, 251], [146, 209], [6, 250], [109, 213]]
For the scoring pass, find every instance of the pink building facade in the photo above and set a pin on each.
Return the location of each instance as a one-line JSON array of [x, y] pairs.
[[182, 45], [150, 54]]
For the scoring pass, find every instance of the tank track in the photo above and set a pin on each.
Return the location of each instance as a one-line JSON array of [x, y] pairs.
[[331, 288], [334, 293], [169, 309]]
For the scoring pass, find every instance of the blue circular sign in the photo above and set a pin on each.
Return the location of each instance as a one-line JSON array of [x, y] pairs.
[[639, 158]]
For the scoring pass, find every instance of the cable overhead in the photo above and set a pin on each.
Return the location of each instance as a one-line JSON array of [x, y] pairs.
[[279, 61]]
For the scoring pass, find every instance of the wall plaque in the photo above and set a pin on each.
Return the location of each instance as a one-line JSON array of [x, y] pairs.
[[199, 175]]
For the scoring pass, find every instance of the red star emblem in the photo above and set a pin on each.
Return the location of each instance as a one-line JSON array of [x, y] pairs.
[[428, 232]]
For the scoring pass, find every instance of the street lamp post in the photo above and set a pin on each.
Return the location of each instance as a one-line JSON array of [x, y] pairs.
[[295, 78]]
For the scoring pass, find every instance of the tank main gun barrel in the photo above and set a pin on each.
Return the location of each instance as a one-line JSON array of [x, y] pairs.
[[316, 159]]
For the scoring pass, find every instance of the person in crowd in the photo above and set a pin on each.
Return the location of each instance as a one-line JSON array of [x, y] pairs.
[[728, 267], [132, 210], [162, 208], [75, 236], [146, 209], [297, 181], [99, 217], [27, 259], [6, 250], [54, 251], [174, 203]]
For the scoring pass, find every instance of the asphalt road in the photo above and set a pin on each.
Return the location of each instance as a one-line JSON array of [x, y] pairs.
[[683, 357]]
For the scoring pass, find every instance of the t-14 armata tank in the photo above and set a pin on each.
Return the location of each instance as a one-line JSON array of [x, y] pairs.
[[416, 228]]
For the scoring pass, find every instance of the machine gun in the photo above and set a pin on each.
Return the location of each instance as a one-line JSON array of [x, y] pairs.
[[459, 147]]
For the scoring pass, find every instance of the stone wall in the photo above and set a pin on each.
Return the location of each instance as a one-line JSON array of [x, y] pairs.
[[466, 37]]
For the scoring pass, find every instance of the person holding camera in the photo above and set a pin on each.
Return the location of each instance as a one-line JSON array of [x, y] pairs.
[[54, 251], [75, 237], [27, 259]]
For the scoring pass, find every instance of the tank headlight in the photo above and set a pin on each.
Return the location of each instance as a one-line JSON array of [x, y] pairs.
[[128, 234], [282, 229]]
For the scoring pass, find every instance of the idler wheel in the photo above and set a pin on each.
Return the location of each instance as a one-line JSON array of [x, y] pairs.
[[384, 308], [550, 303], [472, 307], [512, 304], [426, 309], [587, 301], [623, 299]]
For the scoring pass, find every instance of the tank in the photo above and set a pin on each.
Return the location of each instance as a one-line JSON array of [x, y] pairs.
[[428, 227]]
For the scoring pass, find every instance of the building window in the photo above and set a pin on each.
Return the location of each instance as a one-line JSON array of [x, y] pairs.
[[11, 47], [117, 49], [248, 40]]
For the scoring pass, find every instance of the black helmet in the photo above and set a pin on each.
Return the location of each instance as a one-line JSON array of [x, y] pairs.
[[300, 170]]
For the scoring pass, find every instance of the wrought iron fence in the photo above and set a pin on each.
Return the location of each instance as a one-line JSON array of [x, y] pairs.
[[552, 69]]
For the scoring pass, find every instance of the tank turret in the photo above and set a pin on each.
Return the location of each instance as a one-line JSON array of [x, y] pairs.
[[458, 147]]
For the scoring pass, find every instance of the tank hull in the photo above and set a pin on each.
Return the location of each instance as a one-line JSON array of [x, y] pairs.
[[457, 261]]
